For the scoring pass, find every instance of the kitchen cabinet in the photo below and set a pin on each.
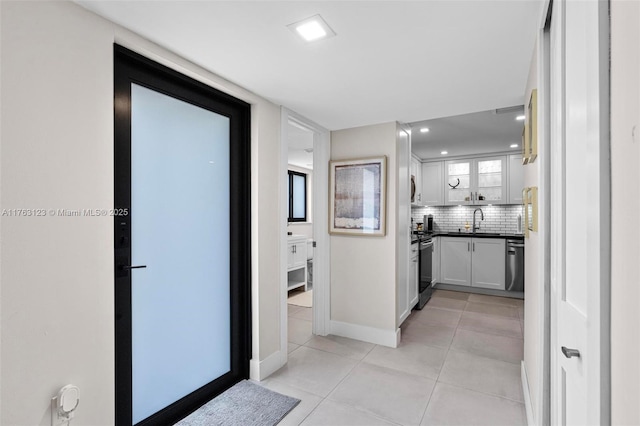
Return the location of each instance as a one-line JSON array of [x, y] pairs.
[[476, 181], [408, 293], [488, 263], [436, 260], [516, 179], [416, 176], [296, 262], [455, 261], [473, 262], [432, 183]]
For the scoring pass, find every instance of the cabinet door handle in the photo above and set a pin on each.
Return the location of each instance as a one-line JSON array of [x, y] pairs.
[[474, 246], [468, 248]]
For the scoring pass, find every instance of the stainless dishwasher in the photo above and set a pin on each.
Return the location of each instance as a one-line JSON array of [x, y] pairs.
[[515, 265]]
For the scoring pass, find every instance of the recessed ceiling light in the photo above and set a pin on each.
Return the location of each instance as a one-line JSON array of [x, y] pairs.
[[444, 152], [424, 130], [513, 145], [520, 117], [312, 29]]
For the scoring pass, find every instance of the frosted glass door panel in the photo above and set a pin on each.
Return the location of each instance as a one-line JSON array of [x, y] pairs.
[[180, 230], [458, 182], [491, 181]]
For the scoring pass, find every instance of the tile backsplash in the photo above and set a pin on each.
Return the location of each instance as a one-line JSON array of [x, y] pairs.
[[502, 219]]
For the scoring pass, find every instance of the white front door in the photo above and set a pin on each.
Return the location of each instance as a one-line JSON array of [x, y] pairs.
[[580, 213]]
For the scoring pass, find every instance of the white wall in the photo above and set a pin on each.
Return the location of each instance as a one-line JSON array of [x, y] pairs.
[[57, 313], [534, 277], [363, 274], [625, 185]]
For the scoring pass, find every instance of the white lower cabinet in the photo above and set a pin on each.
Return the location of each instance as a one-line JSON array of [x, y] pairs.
[[455, 261], [296, 262], [488, 263], [475, 262], [407, 297]]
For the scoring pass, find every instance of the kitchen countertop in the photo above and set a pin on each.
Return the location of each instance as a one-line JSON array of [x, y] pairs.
[[476, 235]]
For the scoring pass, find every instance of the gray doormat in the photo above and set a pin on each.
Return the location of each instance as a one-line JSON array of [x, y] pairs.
[[244, 404]]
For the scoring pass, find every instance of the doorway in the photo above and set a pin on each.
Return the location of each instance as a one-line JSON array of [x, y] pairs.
[[181, 242], [309, 143]]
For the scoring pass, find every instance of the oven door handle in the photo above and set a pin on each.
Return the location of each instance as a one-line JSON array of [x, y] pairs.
[[426, 245]]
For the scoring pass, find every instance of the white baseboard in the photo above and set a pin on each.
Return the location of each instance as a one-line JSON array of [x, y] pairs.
[[378, 336], [260, 370], [527, 394]]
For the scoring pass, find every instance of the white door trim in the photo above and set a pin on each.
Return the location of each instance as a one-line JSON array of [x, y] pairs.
[[598, 336], [321, 256]]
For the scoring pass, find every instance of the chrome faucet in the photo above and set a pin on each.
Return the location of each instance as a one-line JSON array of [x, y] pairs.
[[474, 219]]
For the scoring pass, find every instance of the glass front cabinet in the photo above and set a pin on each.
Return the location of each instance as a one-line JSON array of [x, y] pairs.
[[476, 181]]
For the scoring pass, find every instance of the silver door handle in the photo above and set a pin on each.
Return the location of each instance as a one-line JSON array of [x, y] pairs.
[[570, 352], [468, 246]]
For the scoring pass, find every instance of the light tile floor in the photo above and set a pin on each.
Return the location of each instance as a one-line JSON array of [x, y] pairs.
[[458, 364]]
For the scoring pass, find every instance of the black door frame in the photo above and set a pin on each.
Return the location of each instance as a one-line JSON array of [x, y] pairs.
[[130, 67]]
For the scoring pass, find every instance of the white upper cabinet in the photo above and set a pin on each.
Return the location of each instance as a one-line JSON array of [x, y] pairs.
[[432, 183], [458, 182], [516, 179], [416, 181], [476, 181]]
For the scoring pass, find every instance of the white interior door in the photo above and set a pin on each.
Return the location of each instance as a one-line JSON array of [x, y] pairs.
[[580, 213]]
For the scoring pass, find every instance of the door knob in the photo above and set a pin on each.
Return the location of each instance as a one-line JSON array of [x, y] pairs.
[[570, 352]]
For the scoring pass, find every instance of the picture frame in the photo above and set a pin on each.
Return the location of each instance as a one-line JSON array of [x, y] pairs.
[[525, 212], [530, 210], [532, 214], [525, 144], [532, 126], [357, 197]]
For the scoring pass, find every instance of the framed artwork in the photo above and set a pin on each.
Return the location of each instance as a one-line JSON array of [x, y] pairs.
[[357, 196], [530, 207], [532, 126], [525, 144], [525, 212]]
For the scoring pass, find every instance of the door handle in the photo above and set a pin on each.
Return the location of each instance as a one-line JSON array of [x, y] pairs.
[[468, 247], [474, 246], [129, 267], [570, 352]]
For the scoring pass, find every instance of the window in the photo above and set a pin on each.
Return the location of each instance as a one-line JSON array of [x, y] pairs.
[[297, 197]]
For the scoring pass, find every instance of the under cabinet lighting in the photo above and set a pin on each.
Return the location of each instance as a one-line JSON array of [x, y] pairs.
[[312, 29], [520, 117], [444, 152], [424, 130], [513, 145]]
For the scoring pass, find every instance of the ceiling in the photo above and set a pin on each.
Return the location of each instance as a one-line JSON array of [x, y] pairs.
[[468, 134], [391, 60]]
